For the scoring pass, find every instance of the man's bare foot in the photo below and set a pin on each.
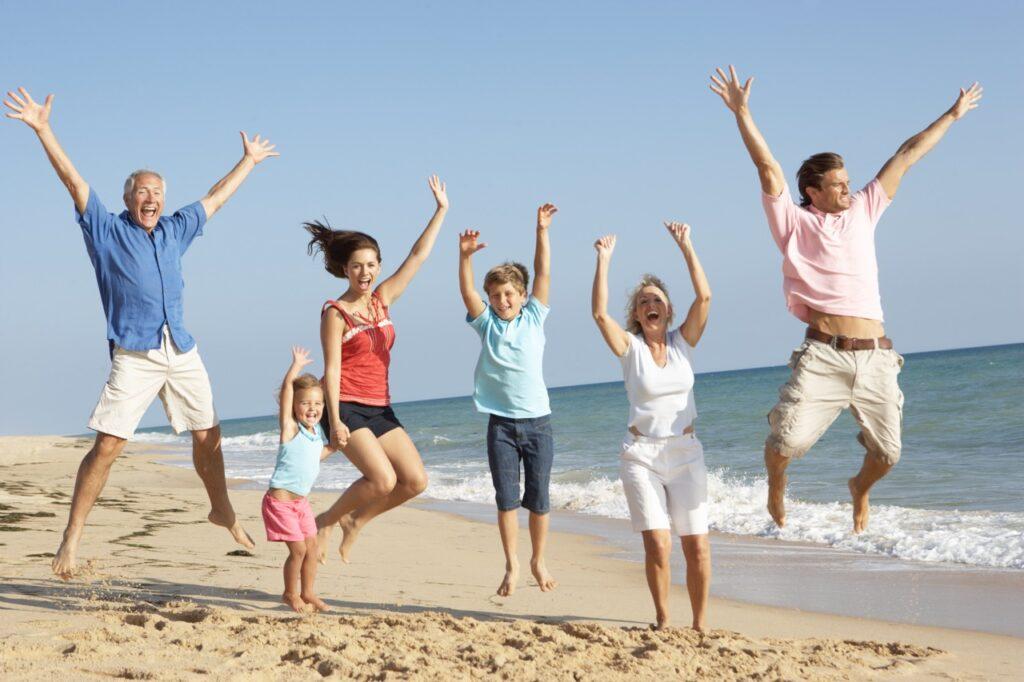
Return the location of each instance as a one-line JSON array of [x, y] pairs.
[[235, 528], [294, 601], [64, 562], [316, 602], [349, 533], [508, 584], [322, 536], [699, 627], [545, 581], [777, 498], [861, 508]]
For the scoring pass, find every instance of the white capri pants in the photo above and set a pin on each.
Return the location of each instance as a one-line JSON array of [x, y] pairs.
[[666, 483]]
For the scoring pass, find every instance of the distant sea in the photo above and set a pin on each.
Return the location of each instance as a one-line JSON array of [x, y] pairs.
[[957, 494]]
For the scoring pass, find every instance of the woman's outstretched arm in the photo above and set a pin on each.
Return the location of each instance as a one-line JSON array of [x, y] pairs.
[[692, 327], [391, 288], [614, 335]]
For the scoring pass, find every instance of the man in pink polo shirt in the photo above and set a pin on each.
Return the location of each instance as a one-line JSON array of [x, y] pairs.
[[830, 279]]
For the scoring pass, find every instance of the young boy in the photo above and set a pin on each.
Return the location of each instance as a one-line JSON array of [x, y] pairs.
[[509, 386]]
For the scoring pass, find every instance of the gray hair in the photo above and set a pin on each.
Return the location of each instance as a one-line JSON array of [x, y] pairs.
[[129, 184], [647, 280]]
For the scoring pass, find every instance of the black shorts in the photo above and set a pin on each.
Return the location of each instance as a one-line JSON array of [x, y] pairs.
[[357, 416]]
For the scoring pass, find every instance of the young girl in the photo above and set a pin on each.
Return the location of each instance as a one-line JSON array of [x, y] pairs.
[[357, 336], [286, 511], [509, 386]]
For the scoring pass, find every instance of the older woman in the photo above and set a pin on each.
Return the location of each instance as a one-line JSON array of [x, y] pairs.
[[662, 462]]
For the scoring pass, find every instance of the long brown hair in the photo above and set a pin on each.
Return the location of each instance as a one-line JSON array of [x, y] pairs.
[[812, 172], [337, 246]]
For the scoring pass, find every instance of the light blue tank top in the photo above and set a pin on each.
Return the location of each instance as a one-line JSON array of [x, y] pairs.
[[298, 461]]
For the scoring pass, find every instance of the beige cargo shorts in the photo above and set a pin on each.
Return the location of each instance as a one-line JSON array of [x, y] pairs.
[[824, 382]]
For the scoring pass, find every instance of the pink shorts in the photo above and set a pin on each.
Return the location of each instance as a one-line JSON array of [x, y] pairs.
[[288, 521]]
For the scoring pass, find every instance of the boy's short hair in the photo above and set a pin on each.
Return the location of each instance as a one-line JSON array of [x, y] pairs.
[[512, 273], [304, 381]]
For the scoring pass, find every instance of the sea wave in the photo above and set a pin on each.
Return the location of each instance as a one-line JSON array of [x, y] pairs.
[[736, 505]]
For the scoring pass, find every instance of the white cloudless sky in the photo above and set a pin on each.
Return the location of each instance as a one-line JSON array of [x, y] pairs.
[[601, 108]]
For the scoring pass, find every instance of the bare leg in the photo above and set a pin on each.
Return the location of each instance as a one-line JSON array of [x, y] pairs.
[[776, 465], [209, 463], [308, 576], [508, 527], [657, 549], [377, 481], [539, 538], [292, 569], [873, 469], [92, 476], [411, 481], [697, 551]]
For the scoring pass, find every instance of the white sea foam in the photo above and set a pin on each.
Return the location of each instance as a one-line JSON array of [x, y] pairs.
[[977, 538]]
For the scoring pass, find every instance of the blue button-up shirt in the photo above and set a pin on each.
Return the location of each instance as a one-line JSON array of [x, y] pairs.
[[139, 273]]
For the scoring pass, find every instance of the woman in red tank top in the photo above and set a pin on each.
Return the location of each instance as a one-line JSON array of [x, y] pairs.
[[357, 336]]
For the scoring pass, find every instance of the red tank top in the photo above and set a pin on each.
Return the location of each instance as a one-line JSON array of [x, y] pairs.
[[366, 354]]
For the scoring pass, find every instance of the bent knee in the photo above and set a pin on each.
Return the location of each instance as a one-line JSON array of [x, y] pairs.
[[789, 446], [383, 484], [416, 484], [887, 453]]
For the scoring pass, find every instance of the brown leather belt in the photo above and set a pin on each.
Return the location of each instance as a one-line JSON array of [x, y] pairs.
[[846, 343]]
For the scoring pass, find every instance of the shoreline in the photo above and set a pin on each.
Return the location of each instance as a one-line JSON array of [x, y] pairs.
[[791, 574], [148, 548]]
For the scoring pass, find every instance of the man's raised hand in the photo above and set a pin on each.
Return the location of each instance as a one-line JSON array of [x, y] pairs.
[[967, 100], [729, 89], [23, 108], [468, 244], [544, 214], [440, 190], [257, 149]]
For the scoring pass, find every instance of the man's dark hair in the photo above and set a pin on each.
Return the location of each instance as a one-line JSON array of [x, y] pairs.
[[812, 172]]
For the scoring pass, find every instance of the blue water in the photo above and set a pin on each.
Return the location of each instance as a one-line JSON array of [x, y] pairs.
[[955, 496]]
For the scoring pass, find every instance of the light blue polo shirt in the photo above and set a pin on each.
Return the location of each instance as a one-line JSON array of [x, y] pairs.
[[139, 274], [509, 377]]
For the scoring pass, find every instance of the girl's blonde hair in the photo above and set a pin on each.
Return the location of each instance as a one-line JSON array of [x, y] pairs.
[[648, 280], [304, 381], [512, 273]]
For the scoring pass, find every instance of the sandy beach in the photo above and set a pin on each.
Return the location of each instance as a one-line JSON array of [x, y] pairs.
[[165, 595]]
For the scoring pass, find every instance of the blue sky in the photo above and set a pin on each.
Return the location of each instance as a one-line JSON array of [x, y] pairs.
[[601, 108]]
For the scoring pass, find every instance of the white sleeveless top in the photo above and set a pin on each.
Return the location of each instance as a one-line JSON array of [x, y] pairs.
[[660, 398]]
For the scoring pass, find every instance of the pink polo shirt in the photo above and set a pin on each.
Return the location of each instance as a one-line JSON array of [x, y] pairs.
[[829, 259]]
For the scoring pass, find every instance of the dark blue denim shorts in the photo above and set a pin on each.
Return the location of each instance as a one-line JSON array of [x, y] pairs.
[[510, 441]]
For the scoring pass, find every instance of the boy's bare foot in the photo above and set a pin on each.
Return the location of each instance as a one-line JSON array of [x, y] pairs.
[[64, 562], [508, 584], [235, 528], [661, 621], [861, 508], [349, 533], [316, 602], [777, 498], [699, 627], [545, 581], [322, 536], [294, 601]]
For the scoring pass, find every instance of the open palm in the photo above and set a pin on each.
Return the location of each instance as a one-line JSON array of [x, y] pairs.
[[24, 108]]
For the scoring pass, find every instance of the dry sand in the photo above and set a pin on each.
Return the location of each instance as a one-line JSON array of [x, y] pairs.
[[161, 596]]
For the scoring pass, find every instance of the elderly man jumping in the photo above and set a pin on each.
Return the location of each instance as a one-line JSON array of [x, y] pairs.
[[137, 259], [830, 279]]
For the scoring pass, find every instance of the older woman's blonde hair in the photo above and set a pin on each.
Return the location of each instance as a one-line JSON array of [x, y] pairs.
[[648, 280]]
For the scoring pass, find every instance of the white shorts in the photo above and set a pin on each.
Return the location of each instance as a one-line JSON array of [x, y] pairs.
[[666, 483], [136, 377]]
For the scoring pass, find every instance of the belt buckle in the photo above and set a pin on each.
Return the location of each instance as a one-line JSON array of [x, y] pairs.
[[834, 343]]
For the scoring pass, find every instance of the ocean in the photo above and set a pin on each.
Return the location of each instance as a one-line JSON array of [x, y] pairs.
[[956, 496]]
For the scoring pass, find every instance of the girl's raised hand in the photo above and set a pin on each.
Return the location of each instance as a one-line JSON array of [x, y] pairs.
[[300, 357], [605, 245], [680, 232], [440, 191], [468, 244]]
